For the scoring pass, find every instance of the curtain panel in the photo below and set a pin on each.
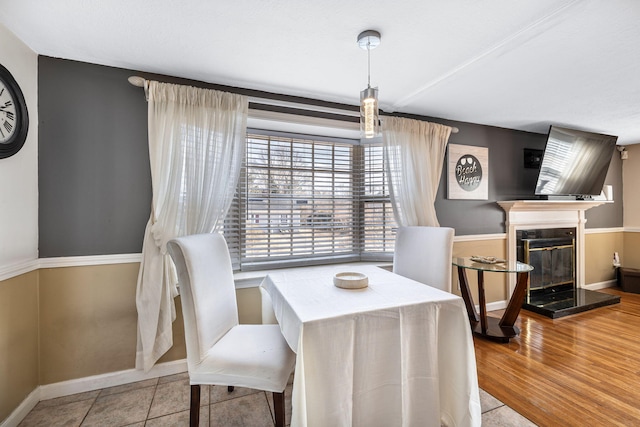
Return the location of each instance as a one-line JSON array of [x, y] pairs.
[[196, 147], [415, 152]]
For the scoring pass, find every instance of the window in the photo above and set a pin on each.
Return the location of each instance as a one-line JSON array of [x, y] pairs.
[[309, 200], [377, 220]]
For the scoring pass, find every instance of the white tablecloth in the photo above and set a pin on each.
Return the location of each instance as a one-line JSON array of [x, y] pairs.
[[397, 353]]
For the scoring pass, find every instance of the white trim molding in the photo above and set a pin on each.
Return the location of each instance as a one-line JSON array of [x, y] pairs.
[[493, 306], [601, 285], [79, 261], [13, 270], [243, 280], [111, 379], [95, 382], [479, 237], [604, 230], [22, 410]]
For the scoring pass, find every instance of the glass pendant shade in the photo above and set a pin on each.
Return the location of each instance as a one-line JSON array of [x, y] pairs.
[[369, 121]]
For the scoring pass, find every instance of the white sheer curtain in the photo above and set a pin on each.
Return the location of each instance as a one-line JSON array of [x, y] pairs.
[[196, 147], [415, 153]]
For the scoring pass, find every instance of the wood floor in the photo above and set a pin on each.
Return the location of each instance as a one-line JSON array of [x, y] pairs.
[[580, 370]]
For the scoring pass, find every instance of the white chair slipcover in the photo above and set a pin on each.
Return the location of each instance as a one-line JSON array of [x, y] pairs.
[[220, 351], [424, 255]]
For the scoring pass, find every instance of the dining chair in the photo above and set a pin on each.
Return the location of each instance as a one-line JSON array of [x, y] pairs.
[[220, 351], [424, 255]]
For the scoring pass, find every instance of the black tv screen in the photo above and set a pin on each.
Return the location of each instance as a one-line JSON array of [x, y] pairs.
[[574, 163]]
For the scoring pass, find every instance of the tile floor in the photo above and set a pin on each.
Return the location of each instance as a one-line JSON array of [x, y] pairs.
[[165, 402]]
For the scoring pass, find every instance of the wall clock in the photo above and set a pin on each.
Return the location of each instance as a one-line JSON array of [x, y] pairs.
[[14, 118]]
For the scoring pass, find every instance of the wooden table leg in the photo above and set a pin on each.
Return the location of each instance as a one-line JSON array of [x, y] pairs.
[[495, 329], [483, 302], [515, 303], [492, 328], [466, 296]]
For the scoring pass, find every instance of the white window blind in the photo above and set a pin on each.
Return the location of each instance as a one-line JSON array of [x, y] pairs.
[[377, 220], [307, 200]]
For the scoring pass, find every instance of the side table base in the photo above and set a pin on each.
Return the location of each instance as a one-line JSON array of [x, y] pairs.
[[494, 331]]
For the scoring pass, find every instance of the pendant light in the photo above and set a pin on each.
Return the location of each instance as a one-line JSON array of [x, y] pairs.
[[369, 121]]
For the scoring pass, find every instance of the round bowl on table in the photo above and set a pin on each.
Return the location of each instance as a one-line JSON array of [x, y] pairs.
[[350, 280]]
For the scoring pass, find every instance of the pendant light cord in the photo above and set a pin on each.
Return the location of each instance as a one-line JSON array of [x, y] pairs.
[[369, 63]]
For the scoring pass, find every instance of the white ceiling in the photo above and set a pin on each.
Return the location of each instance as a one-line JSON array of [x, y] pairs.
[[517, 64]]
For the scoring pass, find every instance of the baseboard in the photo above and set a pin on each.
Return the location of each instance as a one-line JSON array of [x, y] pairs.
[[22, 410], [95, 382], [492, 306], [601, 285]]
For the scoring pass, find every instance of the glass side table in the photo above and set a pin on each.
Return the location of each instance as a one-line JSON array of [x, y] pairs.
[[502, 329]]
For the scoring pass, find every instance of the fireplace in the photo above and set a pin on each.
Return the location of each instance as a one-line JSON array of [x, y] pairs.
[[552, 254], [549, 235]]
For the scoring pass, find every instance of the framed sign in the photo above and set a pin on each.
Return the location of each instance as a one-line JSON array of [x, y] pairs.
[[468, 172]]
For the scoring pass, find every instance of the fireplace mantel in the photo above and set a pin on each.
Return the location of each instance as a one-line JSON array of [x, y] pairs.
[[550, 205], [532, 214]]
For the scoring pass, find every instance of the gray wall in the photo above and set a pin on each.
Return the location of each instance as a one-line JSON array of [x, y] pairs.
[[94, 176], [510, 180], [95, 182]]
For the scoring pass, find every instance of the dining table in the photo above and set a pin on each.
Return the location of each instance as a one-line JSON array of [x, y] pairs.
[[395, 352]]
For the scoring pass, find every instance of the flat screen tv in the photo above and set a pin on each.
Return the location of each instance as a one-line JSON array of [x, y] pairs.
[[574, 163]]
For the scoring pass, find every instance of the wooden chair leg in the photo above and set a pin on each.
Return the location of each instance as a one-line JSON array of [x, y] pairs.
[[194, 410], [278, 406]]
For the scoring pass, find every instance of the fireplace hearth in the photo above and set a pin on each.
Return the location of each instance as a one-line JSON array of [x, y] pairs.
[[566, 300]]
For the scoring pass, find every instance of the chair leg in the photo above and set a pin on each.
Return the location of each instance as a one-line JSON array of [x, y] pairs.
[[278, 406], [194, 410]]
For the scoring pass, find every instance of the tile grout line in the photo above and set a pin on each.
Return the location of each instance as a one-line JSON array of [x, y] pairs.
[[155, 389], [272, 412], [95, 399]]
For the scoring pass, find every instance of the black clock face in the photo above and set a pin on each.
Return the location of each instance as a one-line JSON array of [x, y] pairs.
[[14, 119]]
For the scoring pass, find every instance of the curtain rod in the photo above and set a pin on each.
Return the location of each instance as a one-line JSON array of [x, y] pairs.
[[140, 82]]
